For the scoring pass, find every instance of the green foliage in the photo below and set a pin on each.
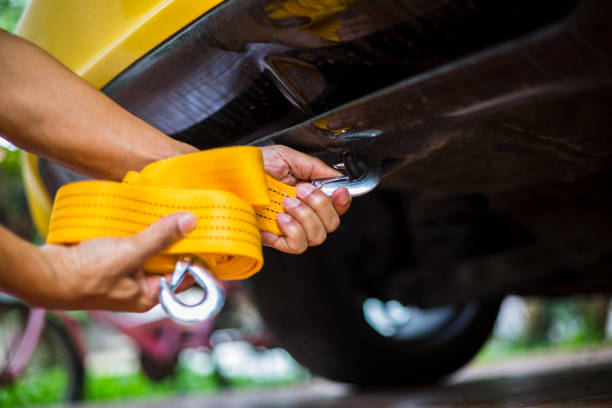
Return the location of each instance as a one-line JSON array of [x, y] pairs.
[[10, 10], [13, 207], [10, 161], [44, 388], [560, 325]]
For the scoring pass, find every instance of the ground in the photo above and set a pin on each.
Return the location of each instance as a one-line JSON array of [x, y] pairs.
[[580, 379]]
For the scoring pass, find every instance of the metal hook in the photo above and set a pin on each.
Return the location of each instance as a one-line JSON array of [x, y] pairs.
[[356, 187], [214, 294]]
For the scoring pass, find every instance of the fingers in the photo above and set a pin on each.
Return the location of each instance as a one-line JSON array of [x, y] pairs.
[[283, 243], [293, 240], [139, 293], [342, 200], [305, 167], [145, 295], [308, 219], [307, 222], [314, 214], [148, 243], [94, 280], [149, 290], [290, 166], [322, 209], [160, 235]]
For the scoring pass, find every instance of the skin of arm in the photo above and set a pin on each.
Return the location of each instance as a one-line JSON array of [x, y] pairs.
[[84, 276], [50, 111]]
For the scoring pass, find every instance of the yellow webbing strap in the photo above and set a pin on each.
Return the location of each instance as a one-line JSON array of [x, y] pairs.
[[226, 188]]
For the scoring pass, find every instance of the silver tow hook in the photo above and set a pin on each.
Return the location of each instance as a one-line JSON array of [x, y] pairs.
[[214, 294], [369, 176]]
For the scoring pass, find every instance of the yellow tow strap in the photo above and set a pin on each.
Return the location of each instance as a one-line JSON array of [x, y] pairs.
[[226, 188]]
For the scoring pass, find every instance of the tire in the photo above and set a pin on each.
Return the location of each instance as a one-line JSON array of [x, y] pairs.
[[55, 372], [315, 305], [155, 369]]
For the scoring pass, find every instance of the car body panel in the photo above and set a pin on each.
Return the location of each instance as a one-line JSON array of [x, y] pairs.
[[98, 39], [36, 193], [419, 75], [495, 103]]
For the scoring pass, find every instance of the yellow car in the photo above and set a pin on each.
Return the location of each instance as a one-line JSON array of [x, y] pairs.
[[487, 120]]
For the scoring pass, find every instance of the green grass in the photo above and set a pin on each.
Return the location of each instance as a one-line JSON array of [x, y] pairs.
[[104, 388], [40, 389], [47, 388], [10, 10]]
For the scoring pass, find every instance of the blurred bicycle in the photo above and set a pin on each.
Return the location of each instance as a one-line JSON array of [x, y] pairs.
[[41, 359], [42, 353]]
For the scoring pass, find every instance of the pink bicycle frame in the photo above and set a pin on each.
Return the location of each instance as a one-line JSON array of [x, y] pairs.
[[24, 345]]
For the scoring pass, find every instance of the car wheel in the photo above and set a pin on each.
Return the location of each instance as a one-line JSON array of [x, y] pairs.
[[320, 308]]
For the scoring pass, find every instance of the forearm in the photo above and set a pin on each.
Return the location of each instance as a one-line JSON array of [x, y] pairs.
[[20, 270], [48, 110]]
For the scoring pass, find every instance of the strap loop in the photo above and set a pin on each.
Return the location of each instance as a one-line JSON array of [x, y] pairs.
[[226, 188]]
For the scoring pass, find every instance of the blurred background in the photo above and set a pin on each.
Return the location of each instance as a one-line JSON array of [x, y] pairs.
[[113, 361]]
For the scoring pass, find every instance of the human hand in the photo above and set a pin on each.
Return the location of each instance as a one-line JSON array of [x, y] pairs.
[[310, 217], [106, 273]]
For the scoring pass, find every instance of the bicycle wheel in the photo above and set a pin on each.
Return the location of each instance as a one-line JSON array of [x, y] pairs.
[[54, 373]]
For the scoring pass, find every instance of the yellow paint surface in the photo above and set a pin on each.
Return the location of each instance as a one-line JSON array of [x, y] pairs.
[[36, 193], [98, 39]]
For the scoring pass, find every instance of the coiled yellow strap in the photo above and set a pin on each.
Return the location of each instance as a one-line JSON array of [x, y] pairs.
[[226, 188]]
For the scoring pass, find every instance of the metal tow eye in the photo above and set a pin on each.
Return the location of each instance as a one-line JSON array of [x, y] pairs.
[[369, 177], [214, 294]]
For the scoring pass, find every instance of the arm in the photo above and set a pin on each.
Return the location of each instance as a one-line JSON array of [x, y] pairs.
[[84, 276], [49, 111]]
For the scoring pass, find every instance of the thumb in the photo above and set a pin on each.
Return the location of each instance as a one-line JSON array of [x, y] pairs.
[[162, 234]]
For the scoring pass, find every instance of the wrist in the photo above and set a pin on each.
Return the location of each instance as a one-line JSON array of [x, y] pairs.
[[23, 272], [41, 284], [161, 147]]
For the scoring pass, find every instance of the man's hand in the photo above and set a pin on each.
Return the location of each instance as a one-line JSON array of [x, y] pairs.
[[105, 273], [314, 214]]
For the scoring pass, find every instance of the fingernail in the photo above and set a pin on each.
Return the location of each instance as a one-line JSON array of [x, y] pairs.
[[304, 190], [290, 202], [282, 217], [345, 197], [187, 222]]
